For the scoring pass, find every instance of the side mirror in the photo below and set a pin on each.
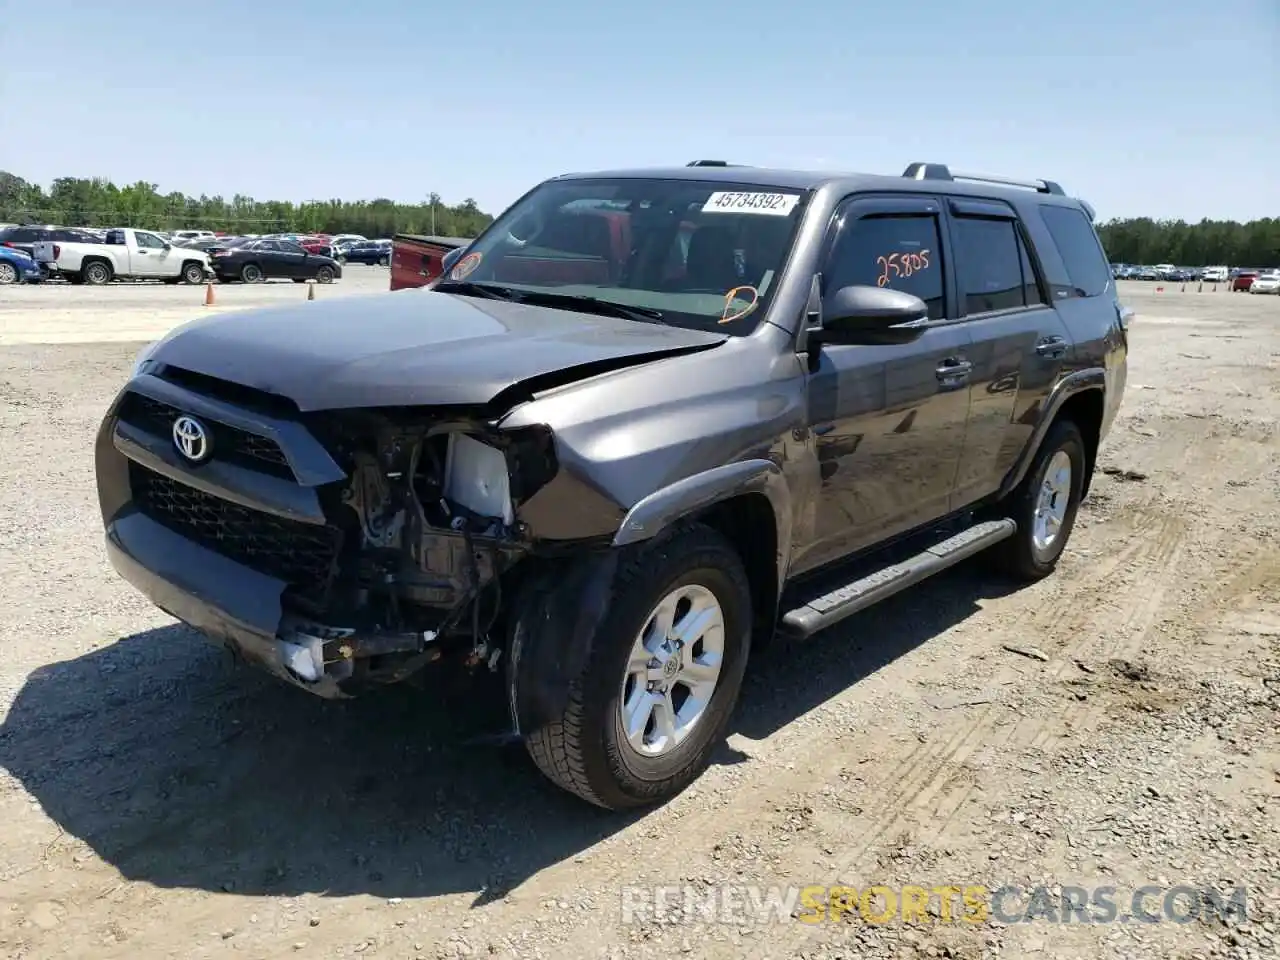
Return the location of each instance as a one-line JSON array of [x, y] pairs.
[[872, 316], [168, 245]]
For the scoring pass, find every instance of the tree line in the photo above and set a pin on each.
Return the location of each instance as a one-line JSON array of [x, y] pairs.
[[1205, 244], [79, 202]]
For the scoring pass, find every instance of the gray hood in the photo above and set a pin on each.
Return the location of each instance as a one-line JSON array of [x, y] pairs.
[[415, 348]]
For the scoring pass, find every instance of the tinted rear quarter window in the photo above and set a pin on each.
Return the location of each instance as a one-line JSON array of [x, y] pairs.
[[1079, 248]]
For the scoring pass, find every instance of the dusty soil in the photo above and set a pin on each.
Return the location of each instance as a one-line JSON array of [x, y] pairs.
[[157, 802], [128, 311]]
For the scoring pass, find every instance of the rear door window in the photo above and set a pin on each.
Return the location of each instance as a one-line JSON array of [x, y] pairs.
[[1080, 249], [992, 266]]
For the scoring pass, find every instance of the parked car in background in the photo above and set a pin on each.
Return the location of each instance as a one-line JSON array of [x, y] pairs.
[[257, 260], [315, 244], [1244, 280], [181, 236], [369, 251], [1148, 273], [124, 252], [417, 260], [1268, 282], [346, 239], [18, 267], [1214, 275], [25, 236], [205, 244]]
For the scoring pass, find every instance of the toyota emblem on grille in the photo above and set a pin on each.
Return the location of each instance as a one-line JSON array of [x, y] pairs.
[[191, 438]]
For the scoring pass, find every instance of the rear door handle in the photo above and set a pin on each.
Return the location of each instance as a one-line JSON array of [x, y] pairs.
[[953, 369], [1051, 347]]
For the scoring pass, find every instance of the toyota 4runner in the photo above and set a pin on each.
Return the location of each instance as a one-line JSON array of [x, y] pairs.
[[648, 419]]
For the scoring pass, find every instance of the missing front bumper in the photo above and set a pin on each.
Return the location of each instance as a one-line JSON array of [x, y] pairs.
[[242, 610]]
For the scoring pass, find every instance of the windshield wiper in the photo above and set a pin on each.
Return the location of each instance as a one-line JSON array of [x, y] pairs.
[[588, 305], [468, 288]]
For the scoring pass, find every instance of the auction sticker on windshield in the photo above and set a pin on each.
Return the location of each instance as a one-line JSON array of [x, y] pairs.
[[770, 204]]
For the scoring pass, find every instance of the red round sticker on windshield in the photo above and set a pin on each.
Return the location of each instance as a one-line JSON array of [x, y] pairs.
[[465, 266]]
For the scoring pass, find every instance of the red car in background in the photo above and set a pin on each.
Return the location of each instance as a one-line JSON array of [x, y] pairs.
[[319, 243], [1244, 280], [416, 260]]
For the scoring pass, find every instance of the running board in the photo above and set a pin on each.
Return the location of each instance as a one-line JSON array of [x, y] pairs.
[[830, 608]]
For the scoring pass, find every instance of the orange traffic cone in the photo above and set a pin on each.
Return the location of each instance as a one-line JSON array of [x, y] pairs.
[[311, 290], [208, 294]]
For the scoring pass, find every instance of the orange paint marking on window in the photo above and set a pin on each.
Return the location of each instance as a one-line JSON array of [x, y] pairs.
[[900, 265], [726, 316]]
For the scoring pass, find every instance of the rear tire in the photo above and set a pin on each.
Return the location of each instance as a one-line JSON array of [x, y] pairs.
[[252, 273], [1044, 505], [96, 273], [587, 751]]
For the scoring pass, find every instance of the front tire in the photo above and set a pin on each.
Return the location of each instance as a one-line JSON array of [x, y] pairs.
[[1045, 504], [192, 273], [8, 273], [659, 687], [325, 274]]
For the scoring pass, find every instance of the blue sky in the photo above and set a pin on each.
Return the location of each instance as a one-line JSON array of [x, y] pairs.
[[1169, 109]]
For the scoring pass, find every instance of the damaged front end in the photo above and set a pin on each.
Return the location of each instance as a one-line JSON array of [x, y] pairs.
[[336, 549], [430, 538]]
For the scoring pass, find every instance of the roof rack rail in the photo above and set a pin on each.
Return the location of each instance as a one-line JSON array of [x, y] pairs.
[[711, 163], [940, 171]]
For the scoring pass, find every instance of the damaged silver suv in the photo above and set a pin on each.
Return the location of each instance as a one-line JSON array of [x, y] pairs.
[[647, 419]]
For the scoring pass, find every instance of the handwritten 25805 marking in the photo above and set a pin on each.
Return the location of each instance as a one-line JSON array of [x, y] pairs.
[[902, 265]]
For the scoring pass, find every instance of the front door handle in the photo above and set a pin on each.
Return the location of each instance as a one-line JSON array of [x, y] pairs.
[[1051, 347], [953, 369]]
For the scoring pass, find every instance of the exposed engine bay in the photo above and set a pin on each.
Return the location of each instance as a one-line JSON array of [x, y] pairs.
[[430, 534]]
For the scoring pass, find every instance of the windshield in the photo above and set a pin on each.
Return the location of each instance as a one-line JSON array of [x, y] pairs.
[[698, 254]]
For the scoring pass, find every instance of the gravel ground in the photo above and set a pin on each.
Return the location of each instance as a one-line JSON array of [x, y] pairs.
[[1113, 725], [124, 312]]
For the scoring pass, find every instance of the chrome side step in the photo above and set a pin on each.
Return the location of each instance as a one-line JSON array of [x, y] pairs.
[[830, 608]]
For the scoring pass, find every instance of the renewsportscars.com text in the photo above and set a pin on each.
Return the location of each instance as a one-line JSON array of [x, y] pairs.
[[748, 905]]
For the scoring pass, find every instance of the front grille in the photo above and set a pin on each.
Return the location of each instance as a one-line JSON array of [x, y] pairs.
[[229, 443], [301, 554]]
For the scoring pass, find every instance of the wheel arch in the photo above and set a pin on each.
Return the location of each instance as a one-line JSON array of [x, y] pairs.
[[1086, 409], [1081, 397], [747, 501], [89, 259]]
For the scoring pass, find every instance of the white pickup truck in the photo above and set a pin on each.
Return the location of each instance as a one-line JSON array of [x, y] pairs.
[[124, 253]]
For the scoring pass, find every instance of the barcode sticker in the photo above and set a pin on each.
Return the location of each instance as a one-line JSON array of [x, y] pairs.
[[769, 204]]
